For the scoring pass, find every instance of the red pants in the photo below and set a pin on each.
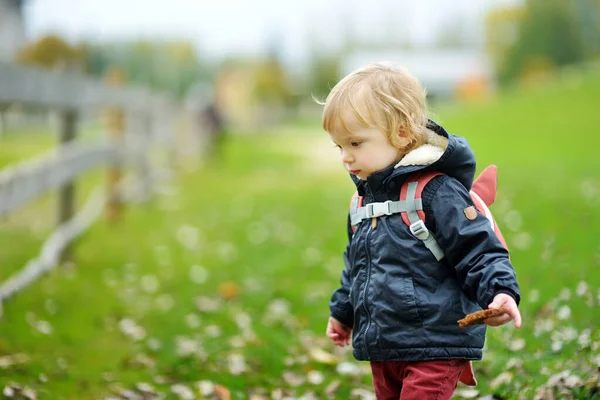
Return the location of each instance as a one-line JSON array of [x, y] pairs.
[[420, 380]]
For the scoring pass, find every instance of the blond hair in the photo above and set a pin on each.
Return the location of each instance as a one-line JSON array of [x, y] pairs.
[[382, 96]]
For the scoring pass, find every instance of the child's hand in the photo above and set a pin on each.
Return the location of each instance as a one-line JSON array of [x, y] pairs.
[[507, 301], [339, 333]]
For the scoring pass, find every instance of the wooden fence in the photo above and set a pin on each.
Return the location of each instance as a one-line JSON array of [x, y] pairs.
[[136, 120]]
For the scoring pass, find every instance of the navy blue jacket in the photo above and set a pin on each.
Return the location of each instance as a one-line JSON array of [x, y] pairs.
[[400, 301]]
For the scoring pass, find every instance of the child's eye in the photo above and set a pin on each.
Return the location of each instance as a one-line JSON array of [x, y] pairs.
[[355, 144]]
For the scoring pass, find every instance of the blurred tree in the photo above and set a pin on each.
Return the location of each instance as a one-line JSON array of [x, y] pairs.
[[502, 33], [548, 33], [270, 78], [53, 52], [270, 82], [324, 73], [171, 67]]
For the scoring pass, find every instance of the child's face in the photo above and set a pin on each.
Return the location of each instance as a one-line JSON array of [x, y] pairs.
[[364, 150]]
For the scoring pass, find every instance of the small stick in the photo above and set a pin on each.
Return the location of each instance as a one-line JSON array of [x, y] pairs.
[[477, 317]]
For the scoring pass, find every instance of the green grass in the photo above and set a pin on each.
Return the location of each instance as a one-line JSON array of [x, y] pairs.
[[269, 221]]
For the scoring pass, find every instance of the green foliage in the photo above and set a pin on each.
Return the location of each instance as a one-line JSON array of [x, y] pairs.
[[169, 67], [324, 74], [271, 82], [549, 33], [53, 52]]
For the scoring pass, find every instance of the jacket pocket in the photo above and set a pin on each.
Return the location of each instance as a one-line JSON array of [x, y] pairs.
[[407, 302], [399, 320]]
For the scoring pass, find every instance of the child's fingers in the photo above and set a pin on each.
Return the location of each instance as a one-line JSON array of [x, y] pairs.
[[515, 315], [497, 321]]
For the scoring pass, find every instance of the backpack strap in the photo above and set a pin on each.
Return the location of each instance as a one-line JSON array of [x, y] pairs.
[[411, 194], [355, 205], [372, 210]]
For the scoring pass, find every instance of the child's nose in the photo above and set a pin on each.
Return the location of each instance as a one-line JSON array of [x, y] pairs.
[[347, 157]]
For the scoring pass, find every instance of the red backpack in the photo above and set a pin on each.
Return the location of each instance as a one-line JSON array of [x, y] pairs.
[[410, 206]]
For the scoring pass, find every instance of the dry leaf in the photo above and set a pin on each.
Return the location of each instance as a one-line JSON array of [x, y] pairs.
[[332, 388], [363, 394], [466, 393], [293, 379], [222, 392], [320, 355], [229, 290], [13, 359], [502, 379], [348, 368]]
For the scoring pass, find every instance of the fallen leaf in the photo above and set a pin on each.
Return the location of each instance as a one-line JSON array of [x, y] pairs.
[[321, 356], [315, 377], [206, 388], [516, 344], [466, 393], [293, 379], [145, 388], [502, 379], [183, 391], [13, 359], [363, 394], [237, 364], [229, 290], [222, 392], [207, 304], [332, 388], [348, 368]]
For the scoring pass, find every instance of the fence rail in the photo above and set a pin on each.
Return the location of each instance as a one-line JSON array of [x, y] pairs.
[[24, 182], [66, 91], [136, 120]]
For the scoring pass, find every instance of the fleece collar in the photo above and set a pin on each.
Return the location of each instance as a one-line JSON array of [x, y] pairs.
[[427, 153]]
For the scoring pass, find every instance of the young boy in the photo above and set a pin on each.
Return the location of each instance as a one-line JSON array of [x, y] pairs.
[[397, 302]]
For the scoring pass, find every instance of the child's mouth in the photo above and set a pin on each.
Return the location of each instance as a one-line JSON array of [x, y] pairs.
[[355, 171]]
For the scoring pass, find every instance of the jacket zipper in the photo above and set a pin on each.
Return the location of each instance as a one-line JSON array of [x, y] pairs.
[[368, 254]]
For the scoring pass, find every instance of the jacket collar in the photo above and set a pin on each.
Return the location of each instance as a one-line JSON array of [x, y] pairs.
[[416, 159]]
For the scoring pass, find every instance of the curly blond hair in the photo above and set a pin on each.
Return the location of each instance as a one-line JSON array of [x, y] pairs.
[[383, 96]]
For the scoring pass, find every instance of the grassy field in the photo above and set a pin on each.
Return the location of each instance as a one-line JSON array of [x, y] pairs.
[[220, 284]]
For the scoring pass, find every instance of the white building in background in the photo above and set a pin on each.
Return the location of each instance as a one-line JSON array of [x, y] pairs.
[[443, 72], [12, 28]]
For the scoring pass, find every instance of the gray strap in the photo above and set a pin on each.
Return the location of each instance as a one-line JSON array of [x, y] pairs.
[[353, 211], [373, 210], [417, 227], [420, 231], [411, 204]]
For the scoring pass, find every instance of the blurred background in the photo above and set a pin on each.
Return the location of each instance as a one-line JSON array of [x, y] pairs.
[[263, 60], [172, 216]]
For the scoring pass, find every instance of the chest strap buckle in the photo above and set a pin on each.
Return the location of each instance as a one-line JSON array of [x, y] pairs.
[[374, 210]]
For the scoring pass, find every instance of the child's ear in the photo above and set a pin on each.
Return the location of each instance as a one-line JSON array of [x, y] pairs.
[[401, 139]]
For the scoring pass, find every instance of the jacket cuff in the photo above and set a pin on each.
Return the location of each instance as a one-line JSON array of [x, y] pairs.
[[507, 291], [344, 317]]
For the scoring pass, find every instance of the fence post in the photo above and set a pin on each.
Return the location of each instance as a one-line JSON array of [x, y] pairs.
[[115, 124], [144, 157], [3, 123], [66, 194]]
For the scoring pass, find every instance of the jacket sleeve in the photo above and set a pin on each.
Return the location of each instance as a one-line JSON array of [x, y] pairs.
[[340, 306], [471, 246]]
